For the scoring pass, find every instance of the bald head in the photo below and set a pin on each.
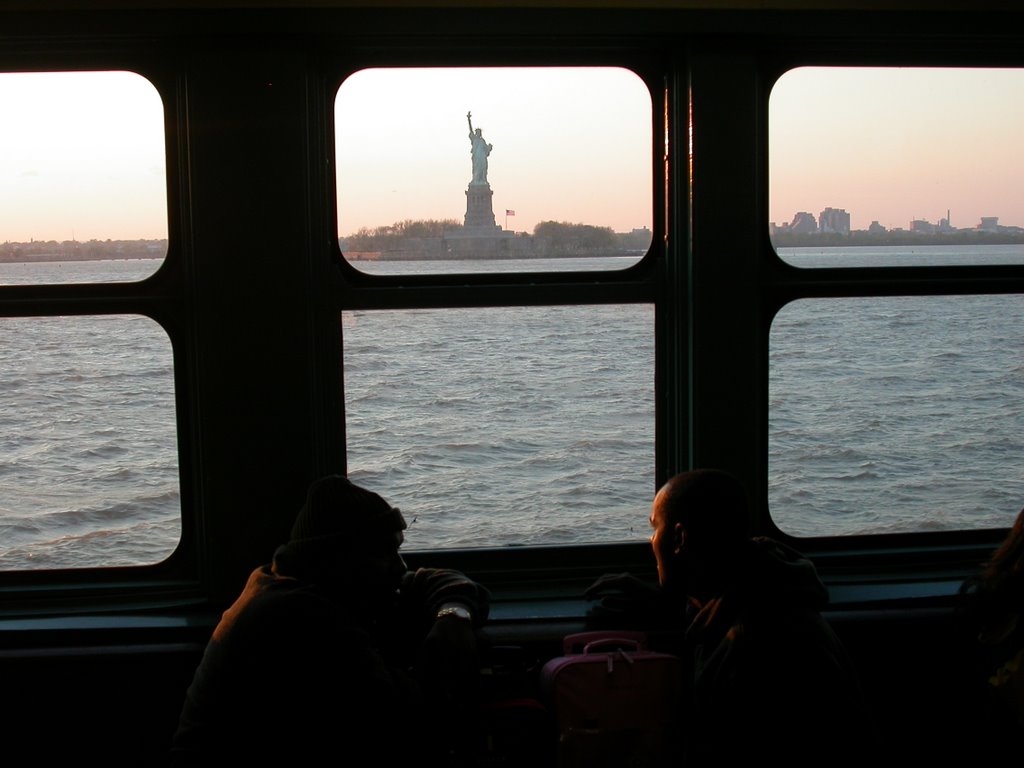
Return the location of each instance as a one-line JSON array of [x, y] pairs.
[[700, 521], [708, 504]]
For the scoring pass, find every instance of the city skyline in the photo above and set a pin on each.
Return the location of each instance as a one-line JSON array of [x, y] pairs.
[[570, 144], [831, 219]]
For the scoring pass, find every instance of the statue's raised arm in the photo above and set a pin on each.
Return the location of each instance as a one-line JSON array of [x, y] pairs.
[[469, 119]]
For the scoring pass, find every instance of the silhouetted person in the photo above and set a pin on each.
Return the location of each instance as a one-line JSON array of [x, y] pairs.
[[771, 683], [336, 652], [994, 607]]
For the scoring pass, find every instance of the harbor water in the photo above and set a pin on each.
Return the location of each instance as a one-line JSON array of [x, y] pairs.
[[523, 426]]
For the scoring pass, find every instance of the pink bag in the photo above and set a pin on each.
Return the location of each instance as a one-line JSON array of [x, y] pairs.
[[615, 702]]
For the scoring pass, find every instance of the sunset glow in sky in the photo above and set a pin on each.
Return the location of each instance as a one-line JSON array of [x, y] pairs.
[[83, 157], [85, 153], [898, 144]]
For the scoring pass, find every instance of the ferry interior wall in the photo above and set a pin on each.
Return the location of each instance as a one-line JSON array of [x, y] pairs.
[[96, 660]]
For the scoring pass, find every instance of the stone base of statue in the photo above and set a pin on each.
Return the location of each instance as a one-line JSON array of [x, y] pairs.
[[479, 208], [481, 237], [476, 243]]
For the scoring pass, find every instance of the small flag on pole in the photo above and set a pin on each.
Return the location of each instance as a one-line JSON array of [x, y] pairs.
[[509, 213]]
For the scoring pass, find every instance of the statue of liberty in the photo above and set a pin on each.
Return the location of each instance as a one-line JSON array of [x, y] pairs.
[[480, 150]]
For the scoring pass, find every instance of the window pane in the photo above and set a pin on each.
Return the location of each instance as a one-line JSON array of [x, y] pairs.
[[895, 166], [896, 414], [505, 426], [494, 169], [89, 461], [83, 173]]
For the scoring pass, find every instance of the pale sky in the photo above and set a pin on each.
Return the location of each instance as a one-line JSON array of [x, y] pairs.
[[82, 158], [958, 145], [84, 151]]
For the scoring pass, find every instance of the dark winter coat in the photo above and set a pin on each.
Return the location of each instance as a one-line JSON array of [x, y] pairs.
[[291, 673], [771, 680]]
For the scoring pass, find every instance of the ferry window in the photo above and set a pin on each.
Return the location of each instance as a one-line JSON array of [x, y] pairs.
[[83, 172], [89, 460], [896, 414], [494, 169], [505, 426], [886, 166]]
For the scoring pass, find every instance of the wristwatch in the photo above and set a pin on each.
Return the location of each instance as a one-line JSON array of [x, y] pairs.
[[458, 611]]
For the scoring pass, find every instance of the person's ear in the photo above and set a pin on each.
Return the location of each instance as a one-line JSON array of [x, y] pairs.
[[678, 538]]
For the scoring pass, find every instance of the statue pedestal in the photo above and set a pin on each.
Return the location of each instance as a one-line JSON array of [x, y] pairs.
[[481, 237], [479, 208]]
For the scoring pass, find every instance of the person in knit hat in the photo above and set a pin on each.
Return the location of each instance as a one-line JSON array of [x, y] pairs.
[[770, 681], [336, 649]]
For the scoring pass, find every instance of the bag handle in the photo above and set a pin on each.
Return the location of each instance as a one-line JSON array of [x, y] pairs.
[[578, 642], [612, 644]]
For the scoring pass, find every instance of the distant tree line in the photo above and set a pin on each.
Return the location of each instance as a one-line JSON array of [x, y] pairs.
[[549, 238], [395, 237], [561, 237], [89, 250]]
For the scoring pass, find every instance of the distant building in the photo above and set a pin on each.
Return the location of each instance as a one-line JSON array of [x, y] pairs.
[[637, 239], [944, 225], [834, 220], [803, 224]]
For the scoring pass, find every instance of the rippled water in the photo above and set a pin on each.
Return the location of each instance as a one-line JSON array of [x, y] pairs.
[[519, 426], [88, 454], [896, 414], [505, 426]]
